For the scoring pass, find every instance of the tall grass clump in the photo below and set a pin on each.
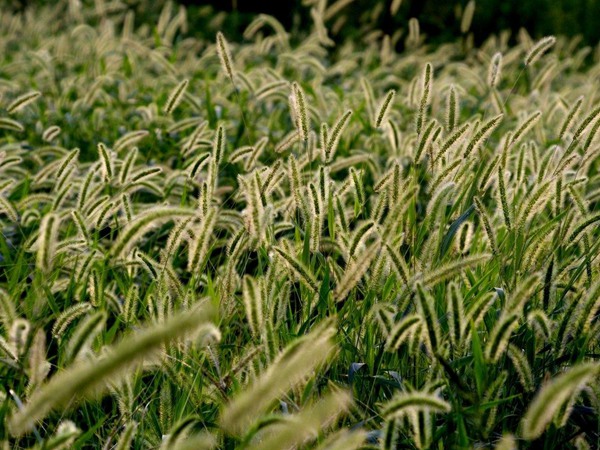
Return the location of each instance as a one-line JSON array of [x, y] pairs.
[[285, 241]]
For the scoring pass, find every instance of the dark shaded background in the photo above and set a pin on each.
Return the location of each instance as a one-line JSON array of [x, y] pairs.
[[439, 19]]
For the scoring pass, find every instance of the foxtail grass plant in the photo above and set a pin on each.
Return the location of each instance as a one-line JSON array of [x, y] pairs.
[[291, 241]]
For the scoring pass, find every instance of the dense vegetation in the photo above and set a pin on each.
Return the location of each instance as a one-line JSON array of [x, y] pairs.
[[280, 243]]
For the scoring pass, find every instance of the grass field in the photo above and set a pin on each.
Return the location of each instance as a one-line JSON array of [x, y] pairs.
[[285, 242]]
